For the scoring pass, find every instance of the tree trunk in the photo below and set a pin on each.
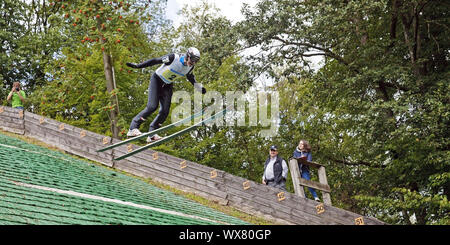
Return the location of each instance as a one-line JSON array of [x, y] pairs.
[[110, 86]]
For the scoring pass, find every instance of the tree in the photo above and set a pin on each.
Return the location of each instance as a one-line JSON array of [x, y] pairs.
[[13, 34], [28, 43], [10, 33], [376, 110], [106, 33]]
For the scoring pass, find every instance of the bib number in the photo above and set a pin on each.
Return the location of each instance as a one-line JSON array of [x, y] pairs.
[[171, 76]]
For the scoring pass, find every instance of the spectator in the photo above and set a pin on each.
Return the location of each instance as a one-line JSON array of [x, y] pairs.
[[303, 150], [17, 95], [275, 170]]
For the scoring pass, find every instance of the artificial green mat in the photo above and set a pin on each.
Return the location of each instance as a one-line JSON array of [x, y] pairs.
[[24, 165]]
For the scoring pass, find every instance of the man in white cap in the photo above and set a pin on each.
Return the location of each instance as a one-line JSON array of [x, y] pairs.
[[160, 89]]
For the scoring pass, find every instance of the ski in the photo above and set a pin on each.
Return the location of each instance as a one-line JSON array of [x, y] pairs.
[[149, 134], [164, 139]]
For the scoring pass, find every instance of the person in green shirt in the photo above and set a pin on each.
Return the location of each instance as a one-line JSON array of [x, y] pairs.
[[17, 95]]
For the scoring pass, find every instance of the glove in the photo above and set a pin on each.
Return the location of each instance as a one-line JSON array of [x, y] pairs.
[[132, 65], [203, 90]]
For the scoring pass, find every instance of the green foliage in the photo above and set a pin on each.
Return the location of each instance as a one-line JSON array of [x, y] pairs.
[[16, 53], [10, 34], [376, 111], [375, 107], [76, 91], [403, 204]]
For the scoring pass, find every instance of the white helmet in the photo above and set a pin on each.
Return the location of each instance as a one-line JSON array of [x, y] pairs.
[[193, 53]]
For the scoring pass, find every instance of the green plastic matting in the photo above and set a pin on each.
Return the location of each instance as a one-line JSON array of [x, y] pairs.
[[41, 186]]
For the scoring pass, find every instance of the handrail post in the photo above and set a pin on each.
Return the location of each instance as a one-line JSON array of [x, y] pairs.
[[295, 174], [323, 180]]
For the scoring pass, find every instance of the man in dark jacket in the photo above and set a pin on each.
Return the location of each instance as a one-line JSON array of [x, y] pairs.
[[275, 170]]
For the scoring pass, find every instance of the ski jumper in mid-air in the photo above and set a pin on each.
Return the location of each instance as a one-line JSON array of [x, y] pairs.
[[160, 89]]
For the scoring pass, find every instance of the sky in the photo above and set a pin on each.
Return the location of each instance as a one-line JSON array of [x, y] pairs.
[[231, 9]]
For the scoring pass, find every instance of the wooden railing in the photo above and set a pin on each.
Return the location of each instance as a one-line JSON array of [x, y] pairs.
[[299, 182]]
